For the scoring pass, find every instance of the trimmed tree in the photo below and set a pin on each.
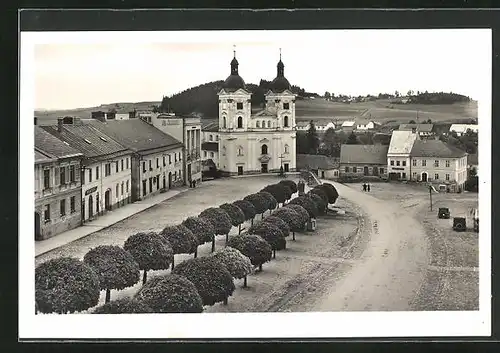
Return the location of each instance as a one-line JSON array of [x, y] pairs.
[[202, 229], [277, 191], [170, 294], [278, 222], [287, 191], [292, 219], [331, 191], [115, 267], [248, 209], [65, 285], [193, 239], [319, 202], [123, 306], [236, 214], [210, 277], [259, 202], [320, 191], [271, 201], [150, 252], [254, 247], [291, 184], [301, 212], [177, 239], [308, 204], [270, 233], [238, 265], [220, 221]]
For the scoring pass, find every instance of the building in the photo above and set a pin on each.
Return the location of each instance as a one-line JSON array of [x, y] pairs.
[[186, 129], [398, 154], [210, 132], [423, 130], [365, 125], [105, 170], [113, 114], [461, 129], [324, 167], [361, 161], [433, 161], [210, 151], [157, 158], [57, 186], [256, 143]]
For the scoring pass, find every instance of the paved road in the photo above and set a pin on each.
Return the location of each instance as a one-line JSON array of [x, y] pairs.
[[392, 268]]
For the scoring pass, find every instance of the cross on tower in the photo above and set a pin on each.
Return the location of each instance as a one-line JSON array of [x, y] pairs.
[[234, 50], [280, 53]]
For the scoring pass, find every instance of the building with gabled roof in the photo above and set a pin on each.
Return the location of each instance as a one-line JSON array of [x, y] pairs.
[[323, 166], [423, 130], [357, 161], [461, 129], [398, 154]]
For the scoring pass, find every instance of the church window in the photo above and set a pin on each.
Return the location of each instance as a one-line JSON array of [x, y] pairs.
[[240, 122], [239, 105], [269, 123], [257, 123], [263, 149], [286, 105], [210, 137], [285, 121], [223, 122], [240, 151], [286, 149]]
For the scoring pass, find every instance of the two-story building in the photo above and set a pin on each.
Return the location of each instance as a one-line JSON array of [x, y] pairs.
[[57, 186], [106, 167], [422, 130], [433, 161], [157, 157], [362, 161], [398, 154]]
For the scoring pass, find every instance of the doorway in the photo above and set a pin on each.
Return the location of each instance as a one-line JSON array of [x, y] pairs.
[[263, 167], [107, 200], [286, 167], [37, 226], [91, 207], [365, 171], [240, 170], [375, 171], [424, 177]]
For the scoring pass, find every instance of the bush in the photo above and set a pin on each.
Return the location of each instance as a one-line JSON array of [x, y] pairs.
[[288, 192], [252, 246], [176, 236], [308, 204], [170, 294], [332, 193], [277, 191], [271, 201], [259, 202], [319, 202], [320, 191], [235, 213], [247, 207], [65, 285], [270, 233], [123, 306], [202, 229], [210, 277], [115, 267], [238, 265], [278, 222], [291, 184], [219, 219], [150, 252], [301, 212], [292, 219]]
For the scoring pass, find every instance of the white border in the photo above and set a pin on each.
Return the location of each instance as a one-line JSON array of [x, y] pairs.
[[244, 325]]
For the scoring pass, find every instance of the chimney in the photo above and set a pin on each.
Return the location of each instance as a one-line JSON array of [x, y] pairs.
[[36, 120], [60, 123]]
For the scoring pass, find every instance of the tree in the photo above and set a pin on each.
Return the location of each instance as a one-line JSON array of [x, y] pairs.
[[278, 222], [291, 218], [236, 214], [330, 143], [220, 221], [238, 265], [65, 285], [330, 191], [277, 191], [123, 306], [115, 267], [291, 184], [308, 204], [210, 277], [412, 122], [327, 95], [301, 212], [202, 229], [396, 93], [259, 202], [410, 93], [254, 247], [247, 208], [270, 233], [321, 205], [182, 242], [150, 252], [271, 201], [170, 294], [352, 139], [302, 143], [312, 138]]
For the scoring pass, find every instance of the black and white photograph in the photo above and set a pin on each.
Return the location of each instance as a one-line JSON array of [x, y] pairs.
[[241, 184]]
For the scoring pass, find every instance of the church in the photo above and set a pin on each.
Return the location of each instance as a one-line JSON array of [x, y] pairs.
[[256, 143]]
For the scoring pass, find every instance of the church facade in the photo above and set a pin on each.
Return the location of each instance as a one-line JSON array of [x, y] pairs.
[[256, 143]]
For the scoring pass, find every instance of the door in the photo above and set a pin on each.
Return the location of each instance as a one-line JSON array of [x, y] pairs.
[[375, 171], [170, 180], [263, 167], [322, 174], [37, 226], [91, 206], [424, 177], [107, 200], [365, 171], [286, 167], [240, 170], [189, 172]]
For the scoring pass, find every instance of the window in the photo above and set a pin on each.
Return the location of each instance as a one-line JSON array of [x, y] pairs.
[[424, 163], [97, 173], [169, 159], [381, 170], [157, 163], [404, 175], [286, 105], [436, 163], [121, 165], [447, 176], [210, 137], [127, 163], [122, 187], [286, 149], [72, 174], [398, 163], [414, 175], [257, 123], [117, 189], [285, 120], [239, 105], [240, 151], [436, 176], [263, 149], [150, 165], [223, 122], [392, 162], [46, 213], [164, 161], [404, 163], [354, 169], [447, 165], [144, 190], [347, 169], [269, 123], [240, 122], [62, 175], [126, 187], [117, 165], [212, 154], [107, 169], [63, 207], [82, 176], [414, 162], [46, 178], [90, 175], [144, 167], [72, 202], [204, 153], [216, 137]]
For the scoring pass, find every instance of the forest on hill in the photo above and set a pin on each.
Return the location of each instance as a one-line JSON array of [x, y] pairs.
[[202, 100]]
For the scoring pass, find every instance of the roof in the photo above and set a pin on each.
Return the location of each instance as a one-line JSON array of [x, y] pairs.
[[461, 128], [40, 157], [435, 148], [210, 146], [51, 146], [208, 163], [472, 159], [419, 127], [211, 127], [363, 154], [136, 134], [348, 123], [364, 122], [87, 139], [316, 161], [264, 112], [401, 142]]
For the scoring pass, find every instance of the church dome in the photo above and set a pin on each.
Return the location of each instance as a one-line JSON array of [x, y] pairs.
[[233, 83], [280, 84]]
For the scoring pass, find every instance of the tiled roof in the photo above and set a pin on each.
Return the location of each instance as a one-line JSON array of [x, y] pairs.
[[402, 142], [316, 161], [51, 146], [136, 134], [348, 123], [363, 154], [435, 148], [211, 127], [40, 157], [87, 139], [210, 146], [264, 113], [419, 127]]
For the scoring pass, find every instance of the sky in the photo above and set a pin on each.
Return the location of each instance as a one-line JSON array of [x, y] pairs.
[[85, 69]]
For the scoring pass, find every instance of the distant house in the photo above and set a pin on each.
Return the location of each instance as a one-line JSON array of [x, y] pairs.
[[461, 129], [210, 150], [323, 166], [348, 126], [303, 126], [363, 161], [423, 130], [364, 125]]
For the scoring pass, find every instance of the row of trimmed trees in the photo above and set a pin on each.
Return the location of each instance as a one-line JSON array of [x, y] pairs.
[[65, 285]]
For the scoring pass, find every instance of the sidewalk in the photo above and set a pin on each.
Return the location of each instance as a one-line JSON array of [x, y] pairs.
[[107, 220]]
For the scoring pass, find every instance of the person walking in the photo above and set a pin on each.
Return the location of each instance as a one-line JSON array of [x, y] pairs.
[[364, 186], [368, 187]]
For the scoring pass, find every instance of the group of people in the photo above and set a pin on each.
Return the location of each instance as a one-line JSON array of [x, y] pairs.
[[366, 187]]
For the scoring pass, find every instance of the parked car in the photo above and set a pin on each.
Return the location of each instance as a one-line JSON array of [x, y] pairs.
[[459, 224], [444, 213]]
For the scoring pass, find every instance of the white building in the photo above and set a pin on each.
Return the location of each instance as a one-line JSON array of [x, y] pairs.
[[262, 142], [365, 125], [461, 129], [319, 127], [348, 125], [398, 155]]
